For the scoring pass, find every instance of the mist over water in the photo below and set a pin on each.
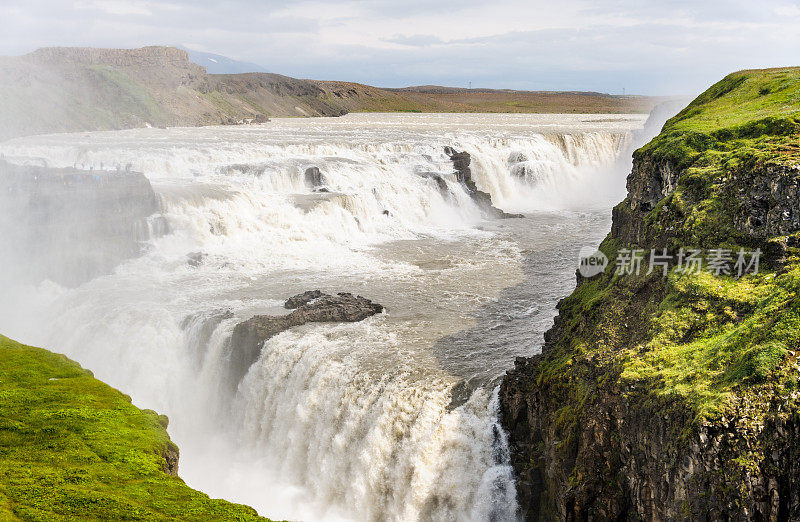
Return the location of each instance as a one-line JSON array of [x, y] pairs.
[[391, 418]]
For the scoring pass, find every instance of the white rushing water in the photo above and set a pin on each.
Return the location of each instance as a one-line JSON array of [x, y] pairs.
[[391, 418]]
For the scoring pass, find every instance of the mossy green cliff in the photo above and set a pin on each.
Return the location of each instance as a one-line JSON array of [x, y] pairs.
[[72, 447], [663, 397]]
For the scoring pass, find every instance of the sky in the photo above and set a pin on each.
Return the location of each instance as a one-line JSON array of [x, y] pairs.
[[636, 47]]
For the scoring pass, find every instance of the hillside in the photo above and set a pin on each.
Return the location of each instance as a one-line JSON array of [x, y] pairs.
[[72, 89], [63, 89], [672, 396], [361, 98], [73, 447]]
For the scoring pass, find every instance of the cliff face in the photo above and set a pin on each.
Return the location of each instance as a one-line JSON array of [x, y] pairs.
[[69, 225], [676, 396]]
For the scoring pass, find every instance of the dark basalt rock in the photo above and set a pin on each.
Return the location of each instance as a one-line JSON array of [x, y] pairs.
[[517, 157], [195, 259], [519, 166], [309, 307], [314, 178], [637, 461], [765, 205], [301, 299], [171, 457], [523, 171], [461, 162], [444, 190]]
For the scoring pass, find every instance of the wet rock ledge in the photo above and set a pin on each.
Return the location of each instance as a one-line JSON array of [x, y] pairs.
[[70, 225], [461, 164], [313, 306]]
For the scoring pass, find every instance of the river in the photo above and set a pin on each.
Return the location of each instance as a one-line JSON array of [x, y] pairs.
[[391, 418]]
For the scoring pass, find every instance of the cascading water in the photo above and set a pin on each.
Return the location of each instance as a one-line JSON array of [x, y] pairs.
[[391, 418]]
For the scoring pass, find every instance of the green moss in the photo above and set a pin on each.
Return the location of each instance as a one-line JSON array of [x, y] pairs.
[[73, 447], [696, 341], [747, 123], [733, 115], [743, 100], [713, 334]]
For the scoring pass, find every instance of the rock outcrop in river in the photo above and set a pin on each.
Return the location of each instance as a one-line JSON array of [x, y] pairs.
[[666, 397], [309, 307], [461, 161]]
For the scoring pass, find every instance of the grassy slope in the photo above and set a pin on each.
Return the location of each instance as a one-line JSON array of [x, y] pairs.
[[707, 340], [73, 447], [87, 98]]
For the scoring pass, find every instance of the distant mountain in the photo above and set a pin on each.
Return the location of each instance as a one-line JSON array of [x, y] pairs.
[[218, 64]]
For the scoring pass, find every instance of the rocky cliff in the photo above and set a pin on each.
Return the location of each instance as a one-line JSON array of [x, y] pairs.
[[673, 393], [69, 225]]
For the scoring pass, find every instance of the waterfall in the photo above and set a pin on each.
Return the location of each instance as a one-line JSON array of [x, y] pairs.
[[333, 421]]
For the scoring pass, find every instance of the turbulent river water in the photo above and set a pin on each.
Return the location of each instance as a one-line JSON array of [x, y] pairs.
[[391, 418]]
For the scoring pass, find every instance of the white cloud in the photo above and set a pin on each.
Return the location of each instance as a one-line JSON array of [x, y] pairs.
[[791, 11], [652, 47], [117, 7]]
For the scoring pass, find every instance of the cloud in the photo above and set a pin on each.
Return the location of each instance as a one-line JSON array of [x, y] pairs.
[[605, 45], [415, 40], [789, 11], [117, 7]]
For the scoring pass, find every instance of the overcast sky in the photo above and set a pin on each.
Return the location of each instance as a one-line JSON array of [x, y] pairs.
[[667, 47]]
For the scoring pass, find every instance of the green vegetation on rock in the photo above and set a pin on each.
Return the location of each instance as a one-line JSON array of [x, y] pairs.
[[701, 336], [714, 336], [681, 388], [72, 447], [743, 128]]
